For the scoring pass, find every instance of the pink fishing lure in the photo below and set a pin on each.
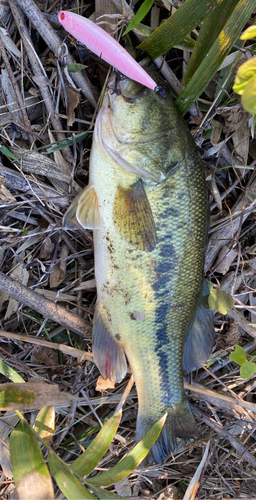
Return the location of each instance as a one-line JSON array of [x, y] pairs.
[[106, 47]]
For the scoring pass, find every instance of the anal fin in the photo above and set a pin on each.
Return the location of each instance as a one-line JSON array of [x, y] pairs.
[[109, 356], [198, 345], [133, 216], [83, 211]]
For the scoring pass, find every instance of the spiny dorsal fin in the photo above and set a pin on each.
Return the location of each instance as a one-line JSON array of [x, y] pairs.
[[133, 216], [83, 211]]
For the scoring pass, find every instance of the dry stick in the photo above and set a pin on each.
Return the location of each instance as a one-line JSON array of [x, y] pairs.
[[45, 306], [37, 71], [53, 41], [195, 481], [223, 235], [16, 90], [233, 403], [14, 180], [242, 322], [70, 351], [239, 447]]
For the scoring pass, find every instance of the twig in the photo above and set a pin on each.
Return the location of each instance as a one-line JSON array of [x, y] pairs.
[[239, 447], [38, 71], [45, 306], [71, 351], [223, 235], [242, 322], [234, 403], [53, 41], [195, 481], [14, 180], [125, 394], [16, 90]]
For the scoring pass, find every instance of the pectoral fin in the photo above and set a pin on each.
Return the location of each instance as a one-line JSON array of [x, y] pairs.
[[198, 345], [109, 356], [83, 211], [133, 217]]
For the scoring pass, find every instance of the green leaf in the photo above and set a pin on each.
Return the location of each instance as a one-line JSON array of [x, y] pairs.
[[212, 25], [8, 372], [247, 369], [131, 461], [220, 301], [45, 423], [105, 494], [68, 483], [75, 67], [140, 14], [87, 462], [30, 472], [249, 97], [226, 78], [249, 33], [65, 143], [250, 194], [245, 74], [216, 55], [7, 153], [238, 355], [175, 29]]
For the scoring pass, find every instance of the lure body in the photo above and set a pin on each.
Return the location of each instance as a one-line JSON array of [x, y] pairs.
[[105, 46]]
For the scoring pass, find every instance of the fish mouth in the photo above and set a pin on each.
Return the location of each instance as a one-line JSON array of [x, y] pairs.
[[122, 85]]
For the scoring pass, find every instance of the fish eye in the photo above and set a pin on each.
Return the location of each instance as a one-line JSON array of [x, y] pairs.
[[161, 90]]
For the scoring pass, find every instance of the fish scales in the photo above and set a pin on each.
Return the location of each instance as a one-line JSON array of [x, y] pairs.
[[149, 252]]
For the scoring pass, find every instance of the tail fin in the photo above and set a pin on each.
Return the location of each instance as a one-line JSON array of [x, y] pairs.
[[179, 427]]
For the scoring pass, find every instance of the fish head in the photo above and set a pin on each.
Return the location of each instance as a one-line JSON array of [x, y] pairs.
[[145, 128]]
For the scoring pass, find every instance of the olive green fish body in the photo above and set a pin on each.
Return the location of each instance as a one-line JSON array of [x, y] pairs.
[[149, 252]]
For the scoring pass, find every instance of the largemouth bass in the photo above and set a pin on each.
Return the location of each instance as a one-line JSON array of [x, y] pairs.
[[147, 204]]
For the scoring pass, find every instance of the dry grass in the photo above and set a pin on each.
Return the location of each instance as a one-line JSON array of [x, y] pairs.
[[34, 251]]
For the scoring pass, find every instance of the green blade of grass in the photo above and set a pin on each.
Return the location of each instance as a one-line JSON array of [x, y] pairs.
[[216, 55], [129, 463], [140, 14], [68, 483], [45, 423], [105, 494], [87, 462], [211, 28], [30, 472], [7, 153], [8, 372], [173, 31], [64, 143]]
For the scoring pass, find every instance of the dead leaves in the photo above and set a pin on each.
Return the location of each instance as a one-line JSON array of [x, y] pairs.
[[73, 100], [5, 194], [104, 383]]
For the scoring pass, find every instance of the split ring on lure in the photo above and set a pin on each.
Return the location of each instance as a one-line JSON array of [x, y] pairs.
[[105, 46]]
